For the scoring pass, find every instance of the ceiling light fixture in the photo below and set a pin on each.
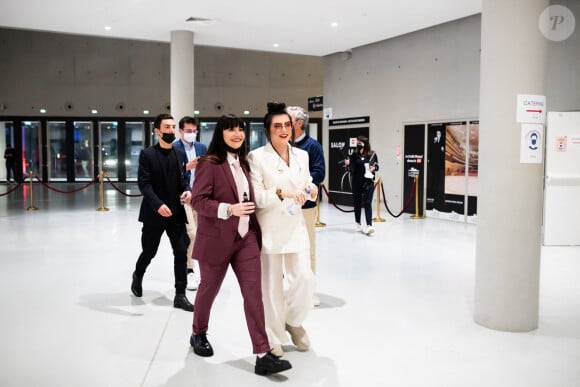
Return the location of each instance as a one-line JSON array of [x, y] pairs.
[[107, 28], [201, 21], [334, 24], [276, 45]]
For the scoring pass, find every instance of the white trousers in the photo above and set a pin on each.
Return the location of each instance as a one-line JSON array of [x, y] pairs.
[[191, 228], [310, 220], [292, 308]]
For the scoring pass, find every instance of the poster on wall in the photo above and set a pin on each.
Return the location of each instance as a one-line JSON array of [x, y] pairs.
[[447, 169], [473, 169], [342, 142], [435, 199], [414, 156]]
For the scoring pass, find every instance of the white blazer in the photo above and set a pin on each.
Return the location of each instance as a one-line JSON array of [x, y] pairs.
[[281, 233]]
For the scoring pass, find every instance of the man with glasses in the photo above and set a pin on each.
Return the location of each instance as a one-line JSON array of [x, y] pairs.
[[317, 170], [188, 128]]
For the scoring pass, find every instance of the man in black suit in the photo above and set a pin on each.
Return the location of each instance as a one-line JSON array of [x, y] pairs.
[[161, 180]]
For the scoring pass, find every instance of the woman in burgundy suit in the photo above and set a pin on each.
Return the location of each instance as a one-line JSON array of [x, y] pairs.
[[228, 233]]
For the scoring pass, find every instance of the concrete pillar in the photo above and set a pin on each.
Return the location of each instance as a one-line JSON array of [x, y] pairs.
[[510, 194], [182, 73]]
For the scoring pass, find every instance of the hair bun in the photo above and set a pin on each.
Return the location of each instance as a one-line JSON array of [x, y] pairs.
[[275, 107]]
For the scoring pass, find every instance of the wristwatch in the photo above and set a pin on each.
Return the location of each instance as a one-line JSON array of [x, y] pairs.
[[229, 211], [279, 194]]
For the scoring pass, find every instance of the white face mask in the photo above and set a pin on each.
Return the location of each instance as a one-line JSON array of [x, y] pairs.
[[189, 137]]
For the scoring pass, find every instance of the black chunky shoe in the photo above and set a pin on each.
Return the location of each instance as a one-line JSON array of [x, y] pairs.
[[271, 364], [201, 345], [181, 302], [137, 285]]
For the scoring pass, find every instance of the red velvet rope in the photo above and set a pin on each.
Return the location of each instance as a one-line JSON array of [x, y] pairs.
[[12, 189], [119, 190], [405, 207], [67, 192], [331, 201]]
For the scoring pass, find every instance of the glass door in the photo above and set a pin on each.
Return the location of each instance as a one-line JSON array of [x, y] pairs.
[[83, 140], [257, 135], [7, 138], [30, 148], [57, 154], [134, 142], [108, 134]]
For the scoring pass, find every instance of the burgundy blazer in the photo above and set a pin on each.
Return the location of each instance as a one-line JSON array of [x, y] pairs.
[[215, 184]]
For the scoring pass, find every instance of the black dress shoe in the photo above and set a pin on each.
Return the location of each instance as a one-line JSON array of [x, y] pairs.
[[181, 302], [137, 285], [271, 364], [200, 345]]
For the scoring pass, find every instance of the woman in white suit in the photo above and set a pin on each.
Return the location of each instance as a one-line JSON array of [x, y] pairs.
[[282, 184]]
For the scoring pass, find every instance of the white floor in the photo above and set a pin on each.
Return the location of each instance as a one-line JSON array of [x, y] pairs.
[[396, 307]]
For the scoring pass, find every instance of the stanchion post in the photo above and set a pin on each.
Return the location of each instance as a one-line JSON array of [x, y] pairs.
[[102, 193], [318, 222], [417, 216], [378, 217], [31, 206]]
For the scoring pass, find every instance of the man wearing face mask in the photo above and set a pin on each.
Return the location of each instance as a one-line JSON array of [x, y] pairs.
[[188, 127], [161, 180]]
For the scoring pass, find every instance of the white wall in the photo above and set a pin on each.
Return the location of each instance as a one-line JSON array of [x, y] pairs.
[[430, 75], [427, 75]]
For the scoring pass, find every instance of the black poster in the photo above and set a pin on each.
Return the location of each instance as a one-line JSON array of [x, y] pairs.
[[435, 167], [342, 143], [447, 169], [414, 163]]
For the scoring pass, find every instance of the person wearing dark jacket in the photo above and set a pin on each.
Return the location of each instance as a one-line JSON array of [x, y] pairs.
[[363, 163], [188, 128], [161, 180], [317, 171]]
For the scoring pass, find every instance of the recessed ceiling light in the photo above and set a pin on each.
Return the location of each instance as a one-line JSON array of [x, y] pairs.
[[246, 112], [196, 112], [145, 111], [107, 28], [42, 111], [276, 45], [334, 24], [94, 111]]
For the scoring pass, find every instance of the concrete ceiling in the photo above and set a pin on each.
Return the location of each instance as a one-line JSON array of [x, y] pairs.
[[296, 26]]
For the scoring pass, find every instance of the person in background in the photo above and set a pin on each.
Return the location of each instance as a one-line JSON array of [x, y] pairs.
[[188, 128], [282, 184], [10, 158], [363, 163], [161, 180], [229, 235], [317, 169]]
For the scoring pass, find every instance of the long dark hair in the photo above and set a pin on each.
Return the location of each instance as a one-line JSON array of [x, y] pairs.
[[274, 109], [366, 150], [217, 150]]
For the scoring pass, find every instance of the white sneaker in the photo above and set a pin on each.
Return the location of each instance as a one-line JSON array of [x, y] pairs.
[[315, 300], [192, 281], [357, 227], [369, 230]]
